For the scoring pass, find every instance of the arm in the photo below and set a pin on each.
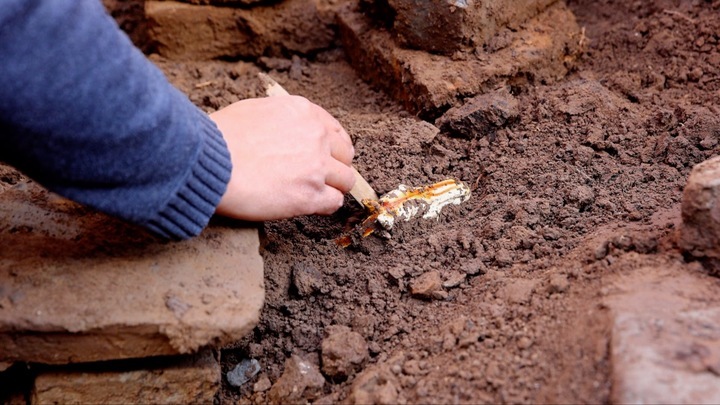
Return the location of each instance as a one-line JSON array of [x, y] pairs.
[[87, 115], [84, 113]]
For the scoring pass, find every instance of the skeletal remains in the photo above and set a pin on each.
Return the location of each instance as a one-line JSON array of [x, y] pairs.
[[406, 202]]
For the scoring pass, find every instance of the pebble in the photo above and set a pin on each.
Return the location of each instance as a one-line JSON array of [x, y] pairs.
[[262, 384], [524, 343], [377, 385], [344, 352], [306, 279], [426, 285], [558, 284], [454, 279], [300, 381], [243, 372]]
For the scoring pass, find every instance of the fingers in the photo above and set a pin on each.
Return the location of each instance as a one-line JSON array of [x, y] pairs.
[[341, 150], [339, 176], [330, 201]]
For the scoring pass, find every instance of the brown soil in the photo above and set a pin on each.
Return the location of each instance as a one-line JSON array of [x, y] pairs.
[[585, 185]]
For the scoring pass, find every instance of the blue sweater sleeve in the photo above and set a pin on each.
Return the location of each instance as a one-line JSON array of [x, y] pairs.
[[84, 113]]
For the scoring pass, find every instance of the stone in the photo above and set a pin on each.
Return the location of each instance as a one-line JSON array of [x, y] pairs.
[[665, 342], [454, 279], [162, 380], [542, 49], [558, 284], [344, 352], [263, 384], [301, 381], [79, 286], [700, 228], [243, 372], [183, 31], [426, 285], [306, 279], [481, 115], [518, 291], [441, 26], [376, 385], [227, 3]]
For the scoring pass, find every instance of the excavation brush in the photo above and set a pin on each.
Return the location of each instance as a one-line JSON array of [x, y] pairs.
[[401, 204]]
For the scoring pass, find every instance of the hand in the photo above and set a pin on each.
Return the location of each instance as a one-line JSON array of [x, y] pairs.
[[290, 157]]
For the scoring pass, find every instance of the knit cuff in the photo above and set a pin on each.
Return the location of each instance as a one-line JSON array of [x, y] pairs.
[[188, 212]]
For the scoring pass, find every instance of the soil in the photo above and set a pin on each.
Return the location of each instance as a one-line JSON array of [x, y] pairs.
[[584, 185]]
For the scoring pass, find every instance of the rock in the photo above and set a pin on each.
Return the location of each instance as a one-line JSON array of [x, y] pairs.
[[700, 228], [454, 279], [446, 27], [226, 3], [518, 291], [377, 385], [165, 380], [665, 342], [472, 267], [542, 49], [199, 32], [581, 196], [301, 381], [263, 384], [524, 343], [344, 352], [428, 285], [306, 278], [558, 284], [481, 115], [117, 291], [243, 372]]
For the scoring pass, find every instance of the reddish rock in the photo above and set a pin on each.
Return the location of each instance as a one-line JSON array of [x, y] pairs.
[[300, 382], [377, 385], [78, 286], [518, 291], [344, 352], [665, 345], [429, 84], [169, 380], [442, 26], [428, 285], [184, 31], [481, 115], [700, 229]]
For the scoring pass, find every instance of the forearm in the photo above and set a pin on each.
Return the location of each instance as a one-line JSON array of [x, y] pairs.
[[84, 113]]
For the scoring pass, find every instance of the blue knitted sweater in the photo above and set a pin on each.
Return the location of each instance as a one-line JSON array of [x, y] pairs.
[[84, 113]]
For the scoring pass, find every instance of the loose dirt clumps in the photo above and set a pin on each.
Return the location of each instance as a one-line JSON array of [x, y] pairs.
[[512, 296], [581, 180]]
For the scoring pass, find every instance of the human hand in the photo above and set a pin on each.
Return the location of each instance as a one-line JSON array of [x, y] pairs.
[[290, 157]]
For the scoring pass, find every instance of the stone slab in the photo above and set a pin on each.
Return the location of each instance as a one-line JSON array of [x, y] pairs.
[[700, 230], [183, 31], [665, 345], [173, 380], [442, 26], [428, 84], [79, 286]]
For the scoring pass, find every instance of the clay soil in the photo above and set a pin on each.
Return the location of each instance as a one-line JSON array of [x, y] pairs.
[[585, 185]]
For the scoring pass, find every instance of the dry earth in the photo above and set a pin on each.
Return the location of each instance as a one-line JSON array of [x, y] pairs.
[[501, 300], [584, 185]]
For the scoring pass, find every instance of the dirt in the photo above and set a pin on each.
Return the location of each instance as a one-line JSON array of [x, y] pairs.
[[584, 184]]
